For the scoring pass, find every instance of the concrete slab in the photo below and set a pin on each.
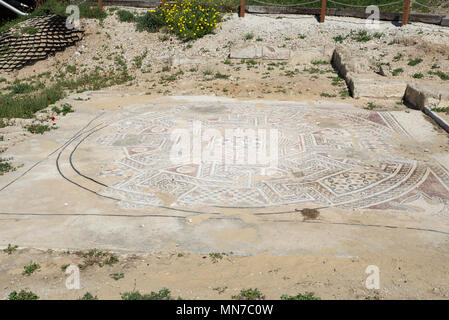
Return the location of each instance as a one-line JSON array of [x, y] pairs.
[[109, 178]]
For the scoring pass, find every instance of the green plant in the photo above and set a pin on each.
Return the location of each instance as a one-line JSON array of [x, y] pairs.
[[340, 38], [445, 110], [22, 295], [30, 268], [163, 294], [38, 128], [219, 75], [97, 257], [320, 62], [397, 71], [6, 166], [88, 296], [29, 30], [249, 36], [10, 249], [418, 76], [64, 267], [125, 16], [117, 276], [397, 57], [215, 256], [414, 62], [150, 21], [139, 59], [300, 296], [188, 19], [249, 294], [370, 106], [362, 36], [440, 74], [66, 108]]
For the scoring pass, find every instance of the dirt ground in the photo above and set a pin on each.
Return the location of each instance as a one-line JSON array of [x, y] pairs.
[[196, 276], [327, 256]]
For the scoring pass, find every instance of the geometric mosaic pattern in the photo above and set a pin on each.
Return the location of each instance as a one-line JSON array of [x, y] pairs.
[[339, 157]]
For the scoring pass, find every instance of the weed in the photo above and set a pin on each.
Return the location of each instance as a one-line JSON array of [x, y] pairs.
[[97, 257], [117, 276], [6, 166], [163, 294], [30, 268], [414, 62], [164, 37], [215, 256], [248, 36], [362, 36], [66, 108], [370, 106], [309, 214], [418, 76], [440, 74], [327, 95], [249, 294], [320, 62], [11, 249], [125, 16], [64, 267], [397, 71], [397, 57], [300, 296], [22, 295], [219, 75], [88, 296], [38, 128], [340, 38], [220, 290], [139, 59], [445, 110]]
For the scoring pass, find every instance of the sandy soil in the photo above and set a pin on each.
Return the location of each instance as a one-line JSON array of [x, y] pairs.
[[192, 276]]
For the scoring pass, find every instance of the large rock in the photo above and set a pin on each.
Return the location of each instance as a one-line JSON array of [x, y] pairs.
[[419, 96], [445, 22], [184, 60], [310, 55], [260, 52], [345, 63], [373, 86]]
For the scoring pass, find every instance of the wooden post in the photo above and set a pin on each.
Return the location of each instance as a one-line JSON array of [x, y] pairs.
[[406, 12], [242, 9], [100, 4], [162, 3], [323, 11]]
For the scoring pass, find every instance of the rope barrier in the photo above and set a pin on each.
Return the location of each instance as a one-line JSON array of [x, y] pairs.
[[287, 5], [359, 6], [430, 7]]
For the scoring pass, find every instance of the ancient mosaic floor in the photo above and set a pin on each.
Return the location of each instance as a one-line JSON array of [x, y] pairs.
[[329, 155]]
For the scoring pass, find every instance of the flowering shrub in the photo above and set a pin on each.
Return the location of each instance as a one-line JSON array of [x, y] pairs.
[[188, 19]]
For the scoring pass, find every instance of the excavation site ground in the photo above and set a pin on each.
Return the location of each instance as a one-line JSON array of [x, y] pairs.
[[355, 182]]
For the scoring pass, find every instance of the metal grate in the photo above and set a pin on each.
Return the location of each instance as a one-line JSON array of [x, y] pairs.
[[35, 39]]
